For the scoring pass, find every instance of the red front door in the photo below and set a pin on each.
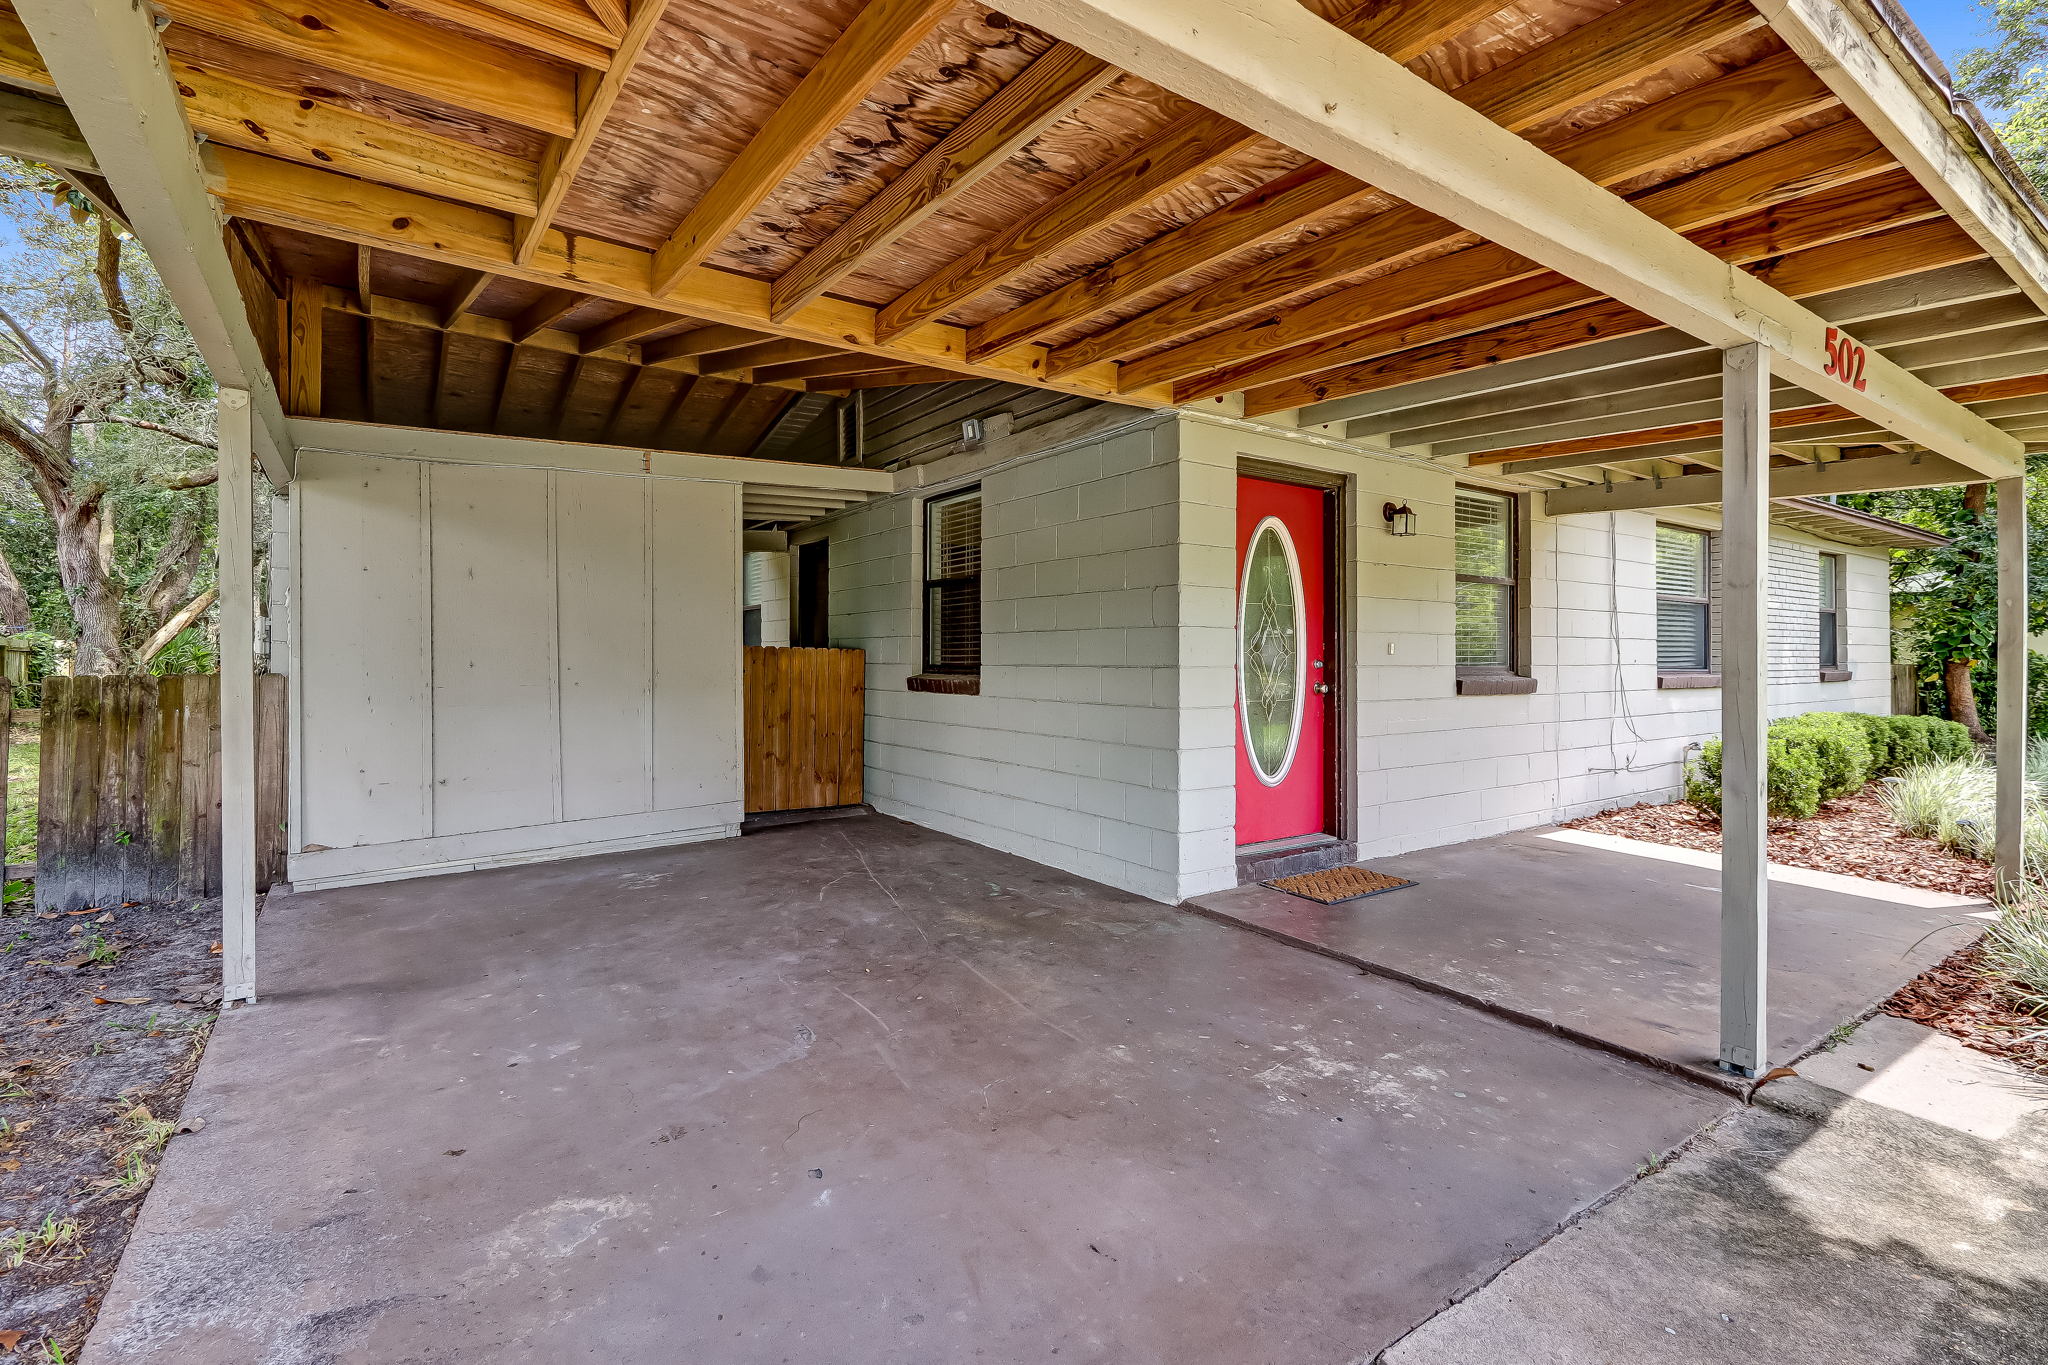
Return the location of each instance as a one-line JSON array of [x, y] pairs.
[[1285, 667]]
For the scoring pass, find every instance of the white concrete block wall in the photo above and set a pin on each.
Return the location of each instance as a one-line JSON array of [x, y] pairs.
[[1072, 752], [1103, 740]]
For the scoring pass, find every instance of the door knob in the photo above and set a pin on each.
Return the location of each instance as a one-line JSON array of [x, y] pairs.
[[1322, 689]]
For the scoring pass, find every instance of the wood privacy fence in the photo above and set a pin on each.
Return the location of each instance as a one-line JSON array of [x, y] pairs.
[[804, 710], [130, 803]]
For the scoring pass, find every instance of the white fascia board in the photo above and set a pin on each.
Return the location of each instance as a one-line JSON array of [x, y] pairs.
[[1300, 80], [480, 448], [1852, 49], [107, 63]]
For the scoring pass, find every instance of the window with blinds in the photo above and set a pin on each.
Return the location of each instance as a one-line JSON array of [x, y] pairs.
[[1831, 611], [1684, 575], [952, 583], [1483, 537]]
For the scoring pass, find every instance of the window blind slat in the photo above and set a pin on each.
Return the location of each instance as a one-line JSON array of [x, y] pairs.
[[1479, 527], [1681, 562]]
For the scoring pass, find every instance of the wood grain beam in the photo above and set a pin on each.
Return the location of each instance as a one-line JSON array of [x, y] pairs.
[[465, 296], [305, 306], [359, 38], [590, 45], [779, 351], [544, 312], [882, 379], [284, 194], [823, 368], [1753, 98], [1339, 328], [1044, 93], [640, 322], [874, 44], [704, 341], [1899, 251], [1784, 419], [594, 100]]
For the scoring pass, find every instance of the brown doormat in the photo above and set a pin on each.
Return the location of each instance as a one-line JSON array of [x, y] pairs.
[[1338, 884]]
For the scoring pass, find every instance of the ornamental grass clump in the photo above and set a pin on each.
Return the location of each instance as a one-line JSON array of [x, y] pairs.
[[2016, 947]]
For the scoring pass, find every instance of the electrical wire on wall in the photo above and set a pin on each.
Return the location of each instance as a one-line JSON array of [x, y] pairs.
[[1626, 713]]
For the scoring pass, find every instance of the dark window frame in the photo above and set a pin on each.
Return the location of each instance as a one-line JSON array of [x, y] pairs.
[[1512, 614], [960, 583], [1704, 603]]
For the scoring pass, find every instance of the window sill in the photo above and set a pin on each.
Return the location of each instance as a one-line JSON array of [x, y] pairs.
[[1681, 681], [1836, 675], [951, 684], [1495, 685]]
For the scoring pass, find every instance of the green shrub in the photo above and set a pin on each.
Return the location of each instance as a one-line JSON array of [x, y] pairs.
[[1877, 733], [1909, 742], [1840, 752], [1948, 739], [1792, 777]]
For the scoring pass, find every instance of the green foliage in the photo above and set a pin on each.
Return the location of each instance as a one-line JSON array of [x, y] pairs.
[[2009, 80], [190, 652], [1792, 778], [1825, 755]]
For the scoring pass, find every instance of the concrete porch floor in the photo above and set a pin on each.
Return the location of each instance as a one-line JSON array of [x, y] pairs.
[[1617, 941], [848, 1092]]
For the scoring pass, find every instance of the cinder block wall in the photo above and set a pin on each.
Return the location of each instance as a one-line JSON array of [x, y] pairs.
[[1076, 752]]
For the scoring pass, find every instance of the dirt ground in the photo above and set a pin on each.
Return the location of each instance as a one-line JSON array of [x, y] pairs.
[[1855, 836], [103, 1015], [1972, 1004]]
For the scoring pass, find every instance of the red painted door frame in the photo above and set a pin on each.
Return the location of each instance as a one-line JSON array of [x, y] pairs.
[[1287, 663]]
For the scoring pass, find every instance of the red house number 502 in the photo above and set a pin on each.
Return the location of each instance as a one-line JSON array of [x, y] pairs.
[[1846, 359]]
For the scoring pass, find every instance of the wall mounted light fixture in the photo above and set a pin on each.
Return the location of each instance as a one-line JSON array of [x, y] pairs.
[[1400, 519]]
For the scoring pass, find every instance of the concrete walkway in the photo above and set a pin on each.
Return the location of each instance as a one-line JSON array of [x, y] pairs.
[[1889, 1206], [842, 1094], [1618, 941]]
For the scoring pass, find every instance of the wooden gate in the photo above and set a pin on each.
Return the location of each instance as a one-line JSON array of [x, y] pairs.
[[130, 803], [805, 709]]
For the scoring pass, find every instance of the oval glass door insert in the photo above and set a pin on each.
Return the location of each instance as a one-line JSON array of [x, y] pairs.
[[1271, 642]]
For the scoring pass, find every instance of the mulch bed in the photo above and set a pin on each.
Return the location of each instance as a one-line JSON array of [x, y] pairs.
[[82, 1045], [1962, 998], [1855, 835]]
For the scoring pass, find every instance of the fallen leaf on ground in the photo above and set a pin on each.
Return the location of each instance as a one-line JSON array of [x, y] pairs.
[[9, 1340], [214, 949], [120, 1000]]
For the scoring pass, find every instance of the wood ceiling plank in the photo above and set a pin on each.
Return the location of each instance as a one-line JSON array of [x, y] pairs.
[[1043, 94], [572, 17], [360, 39], [595, 98], [1406, 29], [824, 368], [702, 341], [778, 351], [284, 194], [1193, 144], [882, 379], [549, 309], [592, 48], [1749, 100], [874, 44], [1901, 251], [465, 297], [610, 13], [1286, 346]]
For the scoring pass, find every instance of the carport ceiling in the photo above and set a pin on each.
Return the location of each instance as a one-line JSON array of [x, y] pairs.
[[663, 223]]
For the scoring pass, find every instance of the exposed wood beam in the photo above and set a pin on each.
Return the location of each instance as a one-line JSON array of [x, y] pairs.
[[874, 44], [594, 100], [640, 322], [1280, 70], [1786, 418], [573, 17], [704, 341], [1046, 92], [1866, 64], [823, 368], [306, 306], [1319, 334], [106, 61], [1674, 130], [610, 13], [358, 38], [366, 284], [573, 382], [287, 195], [1897, 251], [466, 296], [1874, 474], [587, 45], [1409, 28], [544, 312], [882, 379], [780, 351]]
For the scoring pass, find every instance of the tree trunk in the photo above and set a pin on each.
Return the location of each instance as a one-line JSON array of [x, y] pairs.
[[1962, 697], [14, 609], [95, 600]]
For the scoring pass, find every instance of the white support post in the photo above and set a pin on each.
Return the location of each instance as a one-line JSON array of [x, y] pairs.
[[237, 701], [2012, 678], [1745, 530]]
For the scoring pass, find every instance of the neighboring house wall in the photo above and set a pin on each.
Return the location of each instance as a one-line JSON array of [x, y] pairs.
[[1104, 737], [767, 590], [498, 664]]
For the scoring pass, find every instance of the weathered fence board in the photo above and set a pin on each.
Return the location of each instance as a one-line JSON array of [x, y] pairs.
[[130, 803], [804, 713]]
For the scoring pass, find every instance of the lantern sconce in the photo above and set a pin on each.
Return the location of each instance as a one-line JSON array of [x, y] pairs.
[[1400, 519]]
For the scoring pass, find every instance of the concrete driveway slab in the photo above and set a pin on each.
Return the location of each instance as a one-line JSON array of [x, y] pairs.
[[844, 1093]]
